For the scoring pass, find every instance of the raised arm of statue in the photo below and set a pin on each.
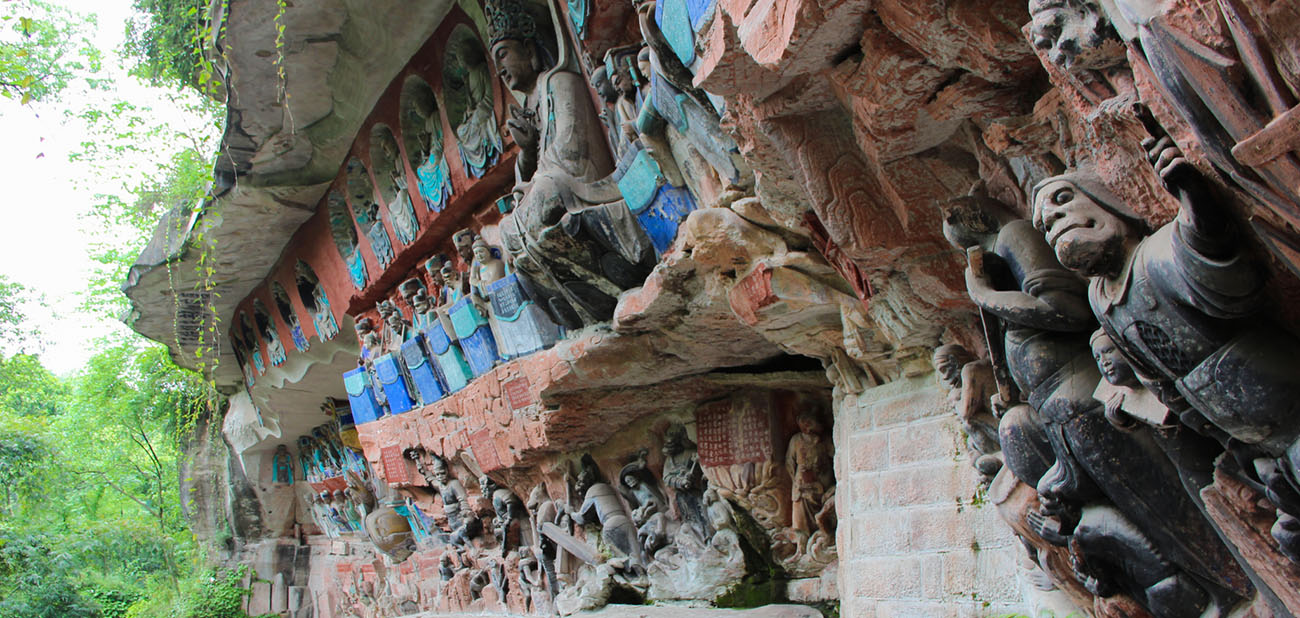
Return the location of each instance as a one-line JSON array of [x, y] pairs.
[[1049, 306], [1204, 224]]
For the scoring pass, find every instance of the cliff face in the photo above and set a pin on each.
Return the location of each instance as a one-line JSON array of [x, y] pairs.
[[216, 498], [905, 307]]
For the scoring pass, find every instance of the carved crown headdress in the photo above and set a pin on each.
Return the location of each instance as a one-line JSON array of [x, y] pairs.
[[509, 19]]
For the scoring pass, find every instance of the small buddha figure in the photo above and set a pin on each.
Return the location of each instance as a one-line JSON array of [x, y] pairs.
[[437, 284], [456, 282], [605, 90], [619, 64], [808, 460], [420, 303], [486, 267]]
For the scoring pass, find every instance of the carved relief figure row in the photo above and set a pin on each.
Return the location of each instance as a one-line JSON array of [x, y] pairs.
[[659, 529]]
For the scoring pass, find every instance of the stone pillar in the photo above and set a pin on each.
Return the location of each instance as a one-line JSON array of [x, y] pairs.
[[916, 535]]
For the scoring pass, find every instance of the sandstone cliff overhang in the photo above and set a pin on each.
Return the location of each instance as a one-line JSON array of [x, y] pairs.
[[294, 105]]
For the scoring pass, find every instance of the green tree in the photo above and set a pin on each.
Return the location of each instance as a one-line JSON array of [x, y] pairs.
[[43, 48], [167, 39]]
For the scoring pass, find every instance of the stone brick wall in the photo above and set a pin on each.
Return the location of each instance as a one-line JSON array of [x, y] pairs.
[[916, 536]]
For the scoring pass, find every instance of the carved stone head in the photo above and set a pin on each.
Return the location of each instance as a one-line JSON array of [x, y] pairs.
[[440, 471], [420, 302], [809, 423], [1074, 34], [601, 84], [1085, 224], [464, 241], [518, 63], [482, 251], [588, 474], [1114, 367], [643, 64], [410, 287], [969, 220], [676, 441], [948, 362]]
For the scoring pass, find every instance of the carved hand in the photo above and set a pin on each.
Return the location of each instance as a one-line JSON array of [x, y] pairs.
[[1046, 526], [1168, 161], [522, 125]]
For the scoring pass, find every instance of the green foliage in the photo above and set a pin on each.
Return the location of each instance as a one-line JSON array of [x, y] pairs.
[[27, 387], [43, 48], [35, 578], [167, 40], [16, 334], [24, 473], [129, 202]]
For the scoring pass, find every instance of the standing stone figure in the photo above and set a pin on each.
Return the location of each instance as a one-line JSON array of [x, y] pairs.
[[808, 460], [649, 507], [571, 236], [510, 514], [486, 268], [455, 504], [282, 466], [683, 474]]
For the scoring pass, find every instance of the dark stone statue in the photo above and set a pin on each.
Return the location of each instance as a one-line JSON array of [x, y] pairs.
[[649, 507], [510, 513], [683, 474], [1181, 304], [1119, 486], [455, 503], [601, 506]]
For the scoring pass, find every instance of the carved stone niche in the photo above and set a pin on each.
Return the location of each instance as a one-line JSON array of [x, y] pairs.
[[769, 453]]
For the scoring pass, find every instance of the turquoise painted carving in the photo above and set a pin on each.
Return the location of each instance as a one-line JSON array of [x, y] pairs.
[[344, 233], [356, 269], [422, 135], [322, 317], [674, 21], [641, 181], [578, 15], [467, 87], [435, 181]]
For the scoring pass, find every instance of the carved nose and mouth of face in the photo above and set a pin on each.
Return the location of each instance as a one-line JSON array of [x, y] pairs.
[[1085, 237]]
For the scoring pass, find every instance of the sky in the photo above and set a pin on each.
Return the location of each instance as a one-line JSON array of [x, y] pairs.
[[43, 242]]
